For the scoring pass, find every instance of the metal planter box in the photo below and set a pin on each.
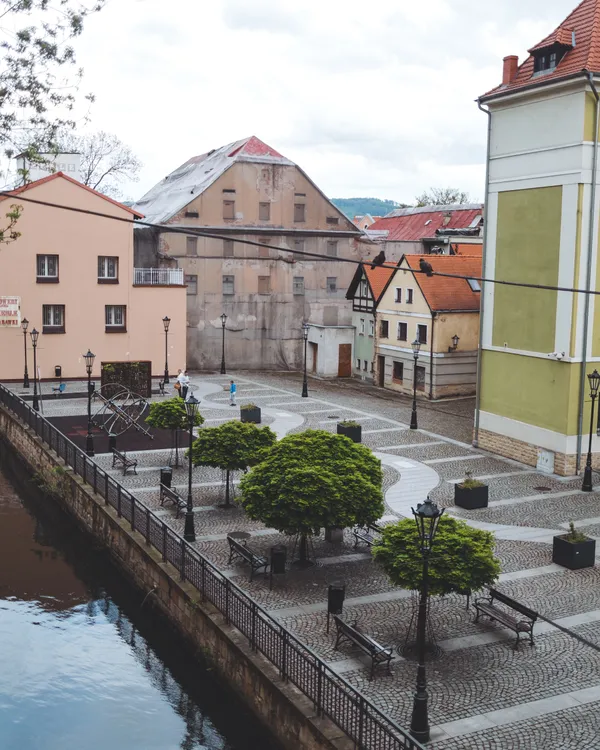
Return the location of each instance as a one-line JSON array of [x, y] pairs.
[[573, 555], [250, 415], [354, 432], [470, 499]]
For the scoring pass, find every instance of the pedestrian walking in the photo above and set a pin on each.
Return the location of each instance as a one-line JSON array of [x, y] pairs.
[[185, 384], [232, 392]]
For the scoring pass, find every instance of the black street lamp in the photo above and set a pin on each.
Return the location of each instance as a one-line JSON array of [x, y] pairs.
[[594, 380], [89, 364], [305, 328], [24, 324], [223, 321], [34, 339], [191, 407], [166, 321], [427, 515], [416, 346]]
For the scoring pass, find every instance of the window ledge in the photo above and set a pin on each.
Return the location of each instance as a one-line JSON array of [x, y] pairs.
[[47, 280], [53, 329], [107, 281], [115, 329]]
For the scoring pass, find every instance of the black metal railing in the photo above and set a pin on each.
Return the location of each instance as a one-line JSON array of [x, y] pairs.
[[332, 696]]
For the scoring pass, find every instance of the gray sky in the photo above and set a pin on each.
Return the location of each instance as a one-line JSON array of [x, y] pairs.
[[370, 98]]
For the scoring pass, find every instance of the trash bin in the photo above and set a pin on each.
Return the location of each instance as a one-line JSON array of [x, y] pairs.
[[336, 594], [57, 371], [166, 475], [278, 559], [112, 441]]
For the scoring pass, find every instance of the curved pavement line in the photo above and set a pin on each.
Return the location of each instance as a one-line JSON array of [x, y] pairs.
[[283, 421], [415, 483]]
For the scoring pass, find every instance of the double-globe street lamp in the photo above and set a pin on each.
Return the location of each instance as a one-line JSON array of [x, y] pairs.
[[24, 324], [427, 515], [34, 339], [189, 532], [305, 328], [223, 321], [89, 365], [416, 346], [594, 380], [166, 321]]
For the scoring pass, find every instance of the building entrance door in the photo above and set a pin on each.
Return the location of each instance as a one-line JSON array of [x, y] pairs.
[[420, 378], [380, 371], [345, 361], [314, 349]]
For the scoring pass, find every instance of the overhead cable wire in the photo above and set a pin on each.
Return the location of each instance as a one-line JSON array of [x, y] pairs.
[[193, 232]]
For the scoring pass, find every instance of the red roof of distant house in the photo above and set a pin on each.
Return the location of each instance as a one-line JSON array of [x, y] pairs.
[[255, 147], [54, 175], [584, 24], [444, 293], [472, 249], [378, 278], [411, 225]]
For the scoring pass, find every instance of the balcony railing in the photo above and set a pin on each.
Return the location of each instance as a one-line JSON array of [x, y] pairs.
[[158, 276]]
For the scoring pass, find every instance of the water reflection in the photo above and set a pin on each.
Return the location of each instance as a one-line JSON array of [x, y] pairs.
[[81, 666]]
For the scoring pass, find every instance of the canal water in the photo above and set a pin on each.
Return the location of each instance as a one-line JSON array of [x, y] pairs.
[[84, 663]]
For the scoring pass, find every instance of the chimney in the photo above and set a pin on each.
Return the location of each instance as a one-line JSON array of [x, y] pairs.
[[509, 70]]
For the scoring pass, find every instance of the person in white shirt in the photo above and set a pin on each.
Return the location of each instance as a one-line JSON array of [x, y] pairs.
[[184, 383]]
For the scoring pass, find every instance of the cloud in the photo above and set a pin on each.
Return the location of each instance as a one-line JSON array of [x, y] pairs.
[[371, 99]]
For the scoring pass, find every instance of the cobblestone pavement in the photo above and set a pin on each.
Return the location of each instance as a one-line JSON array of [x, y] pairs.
[[483, 693]]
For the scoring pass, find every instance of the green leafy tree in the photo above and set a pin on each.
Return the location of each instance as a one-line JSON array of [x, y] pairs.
[[233, 446], [171, 415], [461, 560], [313, 480], [36, 96]]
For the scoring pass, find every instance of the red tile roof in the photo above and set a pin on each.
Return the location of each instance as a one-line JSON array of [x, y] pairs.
[[444, 293], [378, 278], [416, 224], [585, 55], [54, 175], [464, 249], [255, 147]]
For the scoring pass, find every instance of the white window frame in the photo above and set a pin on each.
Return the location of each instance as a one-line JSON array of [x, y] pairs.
[[103, 265], [361, 328], [371, 327], [409, 296], [227, 284], [112, 314], [53, 316], [44, 259]]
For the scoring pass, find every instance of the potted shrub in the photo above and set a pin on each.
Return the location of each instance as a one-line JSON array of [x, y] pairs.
[[470, 493], [573, 550], [350, 429], [250, 413]]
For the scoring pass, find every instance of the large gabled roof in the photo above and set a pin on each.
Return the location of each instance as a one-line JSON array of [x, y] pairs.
[[441, 292], [56, 175], [414, 224], [579, 34], [378, 278]]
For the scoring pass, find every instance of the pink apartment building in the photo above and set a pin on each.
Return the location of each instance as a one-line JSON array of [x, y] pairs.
[[71, 275]]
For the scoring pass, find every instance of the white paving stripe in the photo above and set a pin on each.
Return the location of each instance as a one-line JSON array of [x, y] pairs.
[[386, 429], [323, 411], [410, 445], [518, 712], [454, 458], [485, 477], [357, 419]]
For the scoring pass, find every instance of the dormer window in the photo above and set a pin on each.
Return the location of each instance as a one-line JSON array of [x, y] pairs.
[[548, 57]]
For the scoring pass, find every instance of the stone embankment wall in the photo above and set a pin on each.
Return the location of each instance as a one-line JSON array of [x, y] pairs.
[[288, 714]]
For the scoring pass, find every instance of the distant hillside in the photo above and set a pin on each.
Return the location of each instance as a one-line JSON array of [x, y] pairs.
[[359, 206]]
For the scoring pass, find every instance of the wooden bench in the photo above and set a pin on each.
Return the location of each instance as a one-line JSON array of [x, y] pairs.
[[256, 562], [366, 534], [167, 495], [484, 605], [378, 653], [127, 463]]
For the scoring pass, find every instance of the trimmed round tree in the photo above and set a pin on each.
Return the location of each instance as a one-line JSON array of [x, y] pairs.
[[313, 480], [233, 446], [461, 560], [171, 415]]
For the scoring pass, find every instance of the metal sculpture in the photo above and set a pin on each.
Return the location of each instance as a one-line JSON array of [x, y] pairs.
[[120, 409]]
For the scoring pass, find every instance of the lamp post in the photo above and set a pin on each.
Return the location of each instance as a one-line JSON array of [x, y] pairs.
[[455, 340], [34, 339], [89, 441], [416, 346], [166, 321], [427, 516], [24, 324], [305, 328], [594, 380], [223, 321], [189, 533]]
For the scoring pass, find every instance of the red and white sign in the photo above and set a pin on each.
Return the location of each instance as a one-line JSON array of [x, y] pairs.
[[10, 312]]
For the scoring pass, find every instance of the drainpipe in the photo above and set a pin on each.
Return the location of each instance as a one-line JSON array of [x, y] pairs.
[[486, 205], [588, 276], [431, 358]]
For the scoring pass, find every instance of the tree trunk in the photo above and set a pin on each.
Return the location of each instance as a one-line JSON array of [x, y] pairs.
[[303, 550], [227, 504]]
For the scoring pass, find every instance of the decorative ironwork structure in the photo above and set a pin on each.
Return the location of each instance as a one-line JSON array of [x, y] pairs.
[[120, 410]]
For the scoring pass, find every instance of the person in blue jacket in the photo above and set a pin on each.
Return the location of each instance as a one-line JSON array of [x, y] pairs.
[[232, 392]]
